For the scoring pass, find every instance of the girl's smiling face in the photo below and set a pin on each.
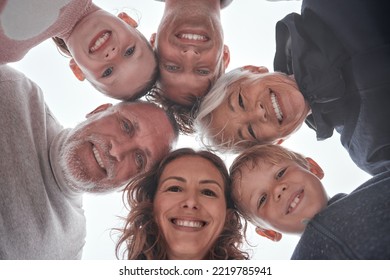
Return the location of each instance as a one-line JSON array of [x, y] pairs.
[[112, 55]]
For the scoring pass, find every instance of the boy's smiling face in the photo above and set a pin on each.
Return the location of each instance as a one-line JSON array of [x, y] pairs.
[[279, 196]]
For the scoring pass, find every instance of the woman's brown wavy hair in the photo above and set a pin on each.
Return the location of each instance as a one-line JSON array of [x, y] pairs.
[[141, 235]]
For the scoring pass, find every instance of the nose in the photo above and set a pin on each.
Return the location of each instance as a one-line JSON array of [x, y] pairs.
[[190, 52], [279, 190], [190, 202], [110, 52], [120, 149], [256, 114], [260, 112]]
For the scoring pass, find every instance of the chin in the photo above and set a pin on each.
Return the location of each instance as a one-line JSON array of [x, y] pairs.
[[74, 171]]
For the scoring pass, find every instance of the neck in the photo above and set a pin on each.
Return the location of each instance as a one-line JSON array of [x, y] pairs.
[[55, 159], [214, 6], [185, 257]]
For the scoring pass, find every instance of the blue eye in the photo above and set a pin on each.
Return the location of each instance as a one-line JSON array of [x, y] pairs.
[[172, 68], [139, 160], [281, 173], [107, 72], [203, 72], [129, 51], [127, 127]]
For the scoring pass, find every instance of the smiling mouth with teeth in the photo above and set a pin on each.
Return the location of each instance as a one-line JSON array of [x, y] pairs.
[[103, 38], [276, 106], [98, 158], [190, 36], [294, 203], [188, 223]]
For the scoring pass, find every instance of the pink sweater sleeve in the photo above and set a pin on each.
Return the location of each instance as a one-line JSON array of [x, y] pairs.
[[22, 29]]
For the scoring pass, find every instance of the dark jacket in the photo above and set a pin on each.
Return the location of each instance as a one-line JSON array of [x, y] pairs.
[[354, 226], [339, 53]]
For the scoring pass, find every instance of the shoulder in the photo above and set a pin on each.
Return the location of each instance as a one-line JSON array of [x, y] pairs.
[[225, 3], [9, 75]]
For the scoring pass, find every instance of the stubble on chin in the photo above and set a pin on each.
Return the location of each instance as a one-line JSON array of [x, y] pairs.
[[74, 170], [76, 173]]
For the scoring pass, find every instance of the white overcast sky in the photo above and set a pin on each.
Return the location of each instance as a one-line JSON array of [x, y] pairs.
[[249, 28]]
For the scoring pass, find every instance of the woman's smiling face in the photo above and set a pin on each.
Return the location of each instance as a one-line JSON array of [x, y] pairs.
[[264, 110], [190, 206]]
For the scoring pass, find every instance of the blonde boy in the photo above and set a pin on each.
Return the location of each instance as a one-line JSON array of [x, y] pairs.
[[277, 190], [280, 191]]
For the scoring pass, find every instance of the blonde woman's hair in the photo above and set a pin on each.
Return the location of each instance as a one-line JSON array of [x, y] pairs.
[[216, 96]]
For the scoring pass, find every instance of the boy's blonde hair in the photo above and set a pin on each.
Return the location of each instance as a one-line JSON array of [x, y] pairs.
[[251, 158]]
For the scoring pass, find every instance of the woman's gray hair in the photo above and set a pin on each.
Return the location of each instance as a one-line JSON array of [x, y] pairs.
[[218, 94]]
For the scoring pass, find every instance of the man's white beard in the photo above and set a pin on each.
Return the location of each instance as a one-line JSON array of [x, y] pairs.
[[75, 174]]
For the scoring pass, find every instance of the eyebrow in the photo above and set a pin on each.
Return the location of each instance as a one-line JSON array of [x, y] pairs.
[[209, 181], [181, 179]]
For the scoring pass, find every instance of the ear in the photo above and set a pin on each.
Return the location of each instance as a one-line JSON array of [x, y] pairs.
[[76, 70], [256, 69], [99, 109], [315, 168], [226, 56], [128, 19], [279, 141], [152, 39], [270, 234]]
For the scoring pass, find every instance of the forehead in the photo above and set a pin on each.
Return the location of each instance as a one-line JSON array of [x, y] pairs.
[[151, 119], [250, 178], [195, 165], [256, 167], [183, 89], [188, 162], [140, 109], [222, 122], [241, 79]]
